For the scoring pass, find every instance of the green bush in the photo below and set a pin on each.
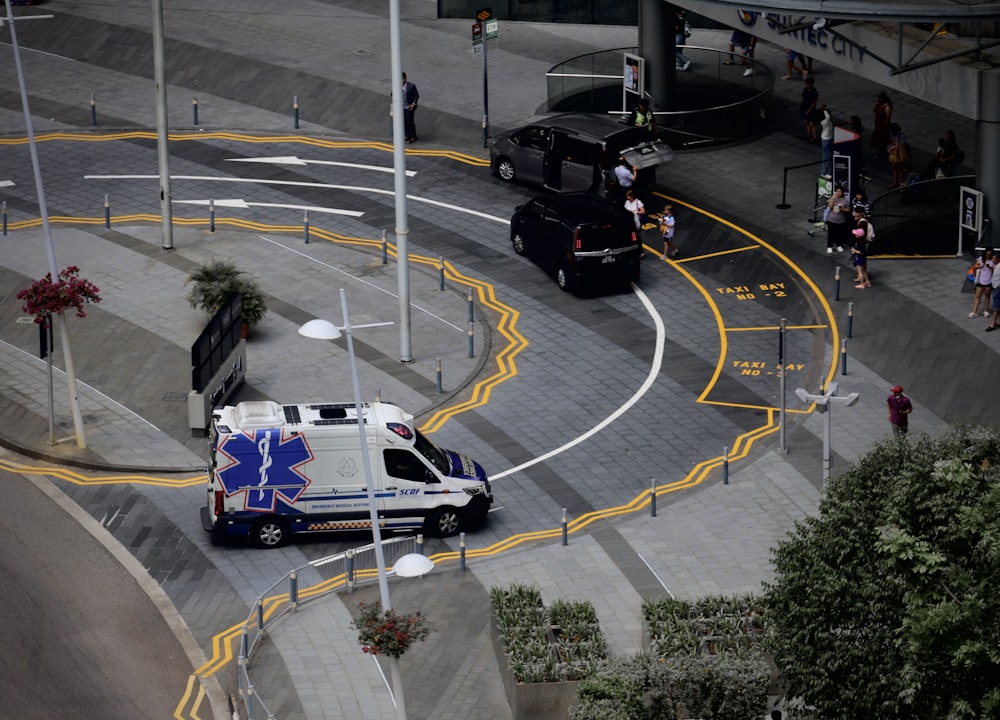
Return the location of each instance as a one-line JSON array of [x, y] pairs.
[[214, 282]]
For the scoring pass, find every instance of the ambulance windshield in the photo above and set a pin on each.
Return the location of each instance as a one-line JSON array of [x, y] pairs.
[[433, 453]]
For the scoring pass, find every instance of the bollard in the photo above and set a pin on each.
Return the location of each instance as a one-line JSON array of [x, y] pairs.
[[194, 110], [472, 309], [652, 498], [472, 340], [93, 109], [565, 528], [107, 211], [293, 589], [420, 543], [461, 551], [260, 616], [850, 319], [385, 249], [725, 464], [843, 357], [295, 105], [211, 215], [836, 285], [305, 225], [441, 274], [3, 210], [349, 569], [378, 395], [440, 387], [244, 643]]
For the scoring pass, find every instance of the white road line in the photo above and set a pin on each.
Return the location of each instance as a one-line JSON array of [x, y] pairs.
[[359, 280], [293, 160], [296, 183], [654, 371], [239, 203], [658, 579], [6, 183]]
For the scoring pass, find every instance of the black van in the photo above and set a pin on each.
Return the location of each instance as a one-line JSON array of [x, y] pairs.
[[580, 239], [576, 152]]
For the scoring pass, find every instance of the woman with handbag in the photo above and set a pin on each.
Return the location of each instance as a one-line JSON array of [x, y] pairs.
[[899, 155], [984, 283]]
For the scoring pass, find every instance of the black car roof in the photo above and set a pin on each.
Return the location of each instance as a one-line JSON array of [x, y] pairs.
[[582, 207]]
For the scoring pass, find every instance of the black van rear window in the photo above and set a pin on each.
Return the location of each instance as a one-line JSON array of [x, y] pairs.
[[599, 237]]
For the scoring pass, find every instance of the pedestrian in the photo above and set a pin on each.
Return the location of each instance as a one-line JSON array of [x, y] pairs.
[[826, 139], [790, 57], [838, 225], [642, 116], [738, 39], [807, 109], [883, 117], [984, 267], [860, 202], [667, 226], [899, 155], [995, 303], [900, 408], [410, 98], [634, 205], [859, 250], [625, 176], [680, 38], [747, 49]]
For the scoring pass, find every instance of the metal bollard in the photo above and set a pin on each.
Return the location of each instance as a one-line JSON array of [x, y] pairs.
[[194, 110], [441, 274], [93, 109], [295, 105], [843, 357], [725, 464], [472, 340], [293, 589], [3, 210], [472, 308], [211, 215], [565, 528], [461, 551], [385, 249], [652, 498], [260, 616], [378, 395], [349, 569], [244, 643], [107, 211], [850, 319], [420, 543], [836, 284], [440, 386], [305, 225]]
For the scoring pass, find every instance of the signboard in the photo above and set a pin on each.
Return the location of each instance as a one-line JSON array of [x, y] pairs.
[[971, 210], [492, 27], [634, 74], [842, 173], [477, 33]]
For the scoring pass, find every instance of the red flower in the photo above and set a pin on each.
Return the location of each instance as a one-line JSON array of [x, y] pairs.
[[45, 298]]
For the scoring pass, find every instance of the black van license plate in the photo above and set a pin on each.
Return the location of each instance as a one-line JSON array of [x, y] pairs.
[[609, 259]]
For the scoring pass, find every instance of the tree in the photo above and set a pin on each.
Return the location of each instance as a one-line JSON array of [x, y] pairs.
[[886, 604]]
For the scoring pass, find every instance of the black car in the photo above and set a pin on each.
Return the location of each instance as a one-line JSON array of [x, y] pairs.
[[580, 239]]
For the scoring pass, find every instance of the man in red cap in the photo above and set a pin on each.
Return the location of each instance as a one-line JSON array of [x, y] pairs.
[[899, 411]]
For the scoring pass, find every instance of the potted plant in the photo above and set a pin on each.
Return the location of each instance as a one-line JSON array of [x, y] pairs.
[[213, 283]]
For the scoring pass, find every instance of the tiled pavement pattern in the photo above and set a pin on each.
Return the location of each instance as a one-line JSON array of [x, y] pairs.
[[244, 61]]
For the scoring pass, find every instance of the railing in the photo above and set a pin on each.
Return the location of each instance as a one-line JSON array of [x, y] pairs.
[[711, 103], [920, 218], [315, 580]]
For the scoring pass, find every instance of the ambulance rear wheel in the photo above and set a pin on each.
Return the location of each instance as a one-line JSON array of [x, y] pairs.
[[269, 533], [445, 522]]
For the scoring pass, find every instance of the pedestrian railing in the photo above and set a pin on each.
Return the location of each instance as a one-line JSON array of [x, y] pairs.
[[312, 581]]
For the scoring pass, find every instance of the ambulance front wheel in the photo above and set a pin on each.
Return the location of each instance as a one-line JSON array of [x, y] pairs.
[[445, 522], [269, 532]]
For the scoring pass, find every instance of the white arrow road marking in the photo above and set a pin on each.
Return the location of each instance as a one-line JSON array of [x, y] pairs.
[[6, 183], [297, 183], [239, 203], [292, 160]]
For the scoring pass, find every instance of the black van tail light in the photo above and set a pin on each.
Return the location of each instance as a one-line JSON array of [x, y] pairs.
[[220, 498], [635, 236], [577, 240]]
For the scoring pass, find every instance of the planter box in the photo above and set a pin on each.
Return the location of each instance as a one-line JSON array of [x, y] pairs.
[[532, 701]]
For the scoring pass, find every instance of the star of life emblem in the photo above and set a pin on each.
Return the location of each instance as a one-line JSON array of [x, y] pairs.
[[266, 465]]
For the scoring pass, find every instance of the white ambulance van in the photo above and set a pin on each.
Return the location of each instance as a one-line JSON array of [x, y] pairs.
[[282, 469]]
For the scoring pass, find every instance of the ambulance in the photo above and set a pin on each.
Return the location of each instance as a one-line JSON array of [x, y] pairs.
[[277, 470]]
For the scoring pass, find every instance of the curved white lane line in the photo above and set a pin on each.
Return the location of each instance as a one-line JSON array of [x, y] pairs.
[[300, 183], [654, 371]]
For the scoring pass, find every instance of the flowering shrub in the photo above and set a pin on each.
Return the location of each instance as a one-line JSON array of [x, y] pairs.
[[46, 298], [387, 633]]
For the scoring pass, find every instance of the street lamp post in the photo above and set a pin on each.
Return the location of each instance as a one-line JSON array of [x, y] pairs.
[[825, 403], [326, 330]]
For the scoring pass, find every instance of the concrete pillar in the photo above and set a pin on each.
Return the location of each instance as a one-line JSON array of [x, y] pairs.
[[988, 151], [656, 46]]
